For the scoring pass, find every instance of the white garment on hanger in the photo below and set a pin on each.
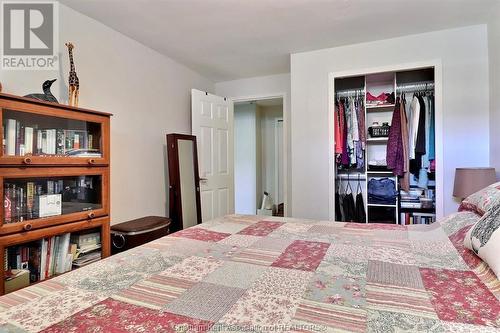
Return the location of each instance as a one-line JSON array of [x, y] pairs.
[[413, 120]]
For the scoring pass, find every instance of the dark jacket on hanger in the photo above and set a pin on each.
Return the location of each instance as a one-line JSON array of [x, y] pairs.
[[420, 144], [338, 213], [395, 153], [349, 208], [360, 208]]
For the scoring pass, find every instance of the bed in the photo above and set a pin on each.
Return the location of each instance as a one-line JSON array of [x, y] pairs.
[[247, 273]]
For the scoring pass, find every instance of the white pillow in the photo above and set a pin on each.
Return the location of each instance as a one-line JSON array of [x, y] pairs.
[[484, 239]]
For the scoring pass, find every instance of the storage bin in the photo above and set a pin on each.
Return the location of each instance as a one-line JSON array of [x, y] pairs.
[[127, 235]]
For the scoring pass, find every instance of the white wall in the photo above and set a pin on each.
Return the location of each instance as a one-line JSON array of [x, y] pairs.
[[149, 95], [464, 56], [494, 57], [272, 85], [245, 158], [268, 116]]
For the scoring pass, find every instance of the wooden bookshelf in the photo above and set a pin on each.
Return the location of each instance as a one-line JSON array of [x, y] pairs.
[[54, 173]]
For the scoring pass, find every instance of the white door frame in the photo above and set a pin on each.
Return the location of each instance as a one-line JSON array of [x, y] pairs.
[[283, 96], [438, 97]]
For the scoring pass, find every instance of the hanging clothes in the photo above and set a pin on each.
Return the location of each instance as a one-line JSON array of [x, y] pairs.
[[360, 212], [347, 205], [416, 163], [413, 121], [341, 206], [405, 180], [394, 152], [349, 208], [353, 131], [361, 143], [432, 130], [350, 139], [360, 208], [361, 123], [338, 212], [426, 163], [420, 144], [338, 127], [345, 154]]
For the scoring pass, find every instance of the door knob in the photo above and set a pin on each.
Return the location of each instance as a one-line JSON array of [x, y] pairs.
[[203, 179]]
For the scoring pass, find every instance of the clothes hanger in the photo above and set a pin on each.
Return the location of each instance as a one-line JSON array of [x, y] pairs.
[[348, 186], [340, 185], [359, 189]]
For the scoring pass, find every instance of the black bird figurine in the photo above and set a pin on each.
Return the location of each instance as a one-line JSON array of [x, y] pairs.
[[47, 95]]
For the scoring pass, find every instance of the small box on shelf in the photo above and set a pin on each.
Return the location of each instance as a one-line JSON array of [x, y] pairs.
[[49, 205], [16, 279]]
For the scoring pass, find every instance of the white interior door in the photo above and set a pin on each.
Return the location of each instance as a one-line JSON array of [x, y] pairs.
[[212, 124]]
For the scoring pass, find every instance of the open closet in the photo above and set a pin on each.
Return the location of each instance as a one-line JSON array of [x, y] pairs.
[[384, 147]]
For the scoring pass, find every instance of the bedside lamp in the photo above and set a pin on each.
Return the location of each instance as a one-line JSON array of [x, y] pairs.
[[471, 180]]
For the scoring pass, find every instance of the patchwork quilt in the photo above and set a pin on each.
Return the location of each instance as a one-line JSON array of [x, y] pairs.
[[255, 274]]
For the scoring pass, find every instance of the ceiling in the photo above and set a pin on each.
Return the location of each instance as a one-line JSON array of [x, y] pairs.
[[231, 39], [264, 102]]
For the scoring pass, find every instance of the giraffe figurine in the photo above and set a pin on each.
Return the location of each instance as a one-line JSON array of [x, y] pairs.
[[73, 82]]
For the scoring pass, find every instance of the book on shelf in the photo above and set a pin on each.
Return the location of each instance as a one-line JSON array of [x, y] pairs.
[[409, 204], [83, 152], [87, 258], [47, 257], [20, 140], [43, 198], [84, 240], [417, 218], [88, 248], [10, 137]]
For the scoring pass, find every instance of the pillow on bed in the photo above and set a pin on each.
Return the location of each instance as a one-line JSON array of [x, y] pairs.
[[484, 239], [482, 200]]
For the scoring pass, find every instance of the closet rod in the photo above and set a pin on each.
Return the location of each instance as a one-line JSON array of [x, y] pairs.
[[428, 85], [350, 92]]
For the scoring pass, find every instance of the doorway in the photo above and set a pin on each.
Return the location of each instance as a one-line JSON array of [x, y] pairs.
[[259, 157]]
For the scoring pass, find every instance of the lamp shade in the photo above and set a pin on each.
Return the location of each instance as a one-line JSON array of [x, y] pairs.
[[471, 180]]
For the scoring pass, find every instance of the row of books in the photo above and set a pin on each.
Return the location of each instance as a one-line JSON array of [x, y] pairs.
[[51, 256], [20, 140], [43, 259], [44, 198], [412, 218], [31, 200]]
